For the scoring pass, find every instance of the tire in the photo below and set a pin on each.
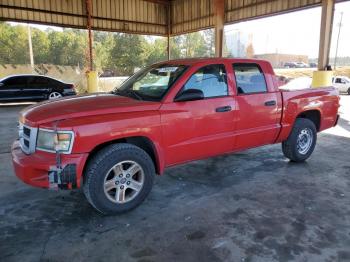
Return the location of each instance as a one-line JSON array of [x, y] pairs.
[[295, 147], [100, 176], [349, 91]]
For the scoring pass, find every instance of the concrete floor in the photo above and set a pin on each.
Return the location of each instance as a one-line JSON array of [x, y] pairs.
[[250, 206]]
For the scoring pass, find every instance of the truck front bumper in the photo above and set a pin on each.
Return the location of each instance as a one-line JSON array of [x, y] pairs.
[[40, 168]]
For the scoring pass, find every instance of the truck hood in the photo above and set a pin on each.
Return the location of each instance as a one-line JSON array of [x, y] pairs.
[[82, 106]]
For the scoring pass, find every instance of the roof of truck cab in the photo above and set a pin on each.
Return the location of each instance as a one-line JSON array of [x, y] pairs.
[[264, 65], [192, 61]]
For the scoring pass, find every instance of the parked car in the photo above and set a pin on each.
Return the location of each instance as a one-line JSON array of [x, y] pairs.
[[301, 65], [342, 83], [33, 88], [312, 65], [170, 113], [290, 65]]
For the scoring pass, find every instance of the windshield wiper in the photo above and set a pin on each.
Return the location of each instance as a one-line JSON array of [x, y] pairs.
[[127, 93]]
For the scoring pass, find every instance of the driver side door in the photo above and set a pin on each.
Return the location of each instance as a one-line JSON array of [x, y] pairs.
[[201, 128]]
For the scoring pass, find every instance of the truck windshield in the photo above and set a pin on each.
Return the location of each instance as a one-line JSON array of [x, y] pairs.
[[151, 83]]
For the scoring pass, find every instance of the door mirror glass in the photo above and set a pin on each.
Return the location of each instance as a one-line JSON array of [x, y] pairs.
[[190, 95]]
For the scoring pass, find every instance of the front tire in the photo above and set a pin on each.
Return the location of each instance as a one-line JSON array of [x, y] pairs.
[[301, 141], [118, 178]]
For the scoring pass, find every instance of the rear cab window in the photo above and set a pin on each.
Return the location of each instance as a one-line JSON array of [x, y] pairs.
[[250, 78], [210, 79]]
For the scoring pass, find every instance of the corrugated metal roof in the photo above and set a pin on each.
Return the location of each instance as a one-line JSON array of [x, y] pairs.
[[191, 15], [236, 11], [143, 16], [135, 16]]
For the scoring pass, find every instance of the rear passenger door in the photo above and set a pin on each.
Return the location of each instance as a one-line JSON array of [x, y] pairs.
[[38, 87], [258, 116]]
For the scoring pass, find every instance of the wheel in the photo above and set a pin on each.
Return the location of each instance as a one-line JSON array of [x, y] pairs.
[[301, 141], [118, 178], [54, 95]]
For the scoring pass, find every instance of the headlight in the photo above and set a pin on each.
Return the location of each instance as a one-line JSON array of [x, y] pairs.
[[52, 141]]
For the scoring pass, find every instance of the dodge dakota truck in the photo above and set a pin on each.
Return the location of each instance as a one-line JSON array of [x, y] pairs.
[[113, 144]]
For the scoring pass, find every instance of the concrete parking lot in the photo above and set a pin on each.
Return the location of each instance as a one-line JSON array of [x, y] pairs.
[[250, 206]]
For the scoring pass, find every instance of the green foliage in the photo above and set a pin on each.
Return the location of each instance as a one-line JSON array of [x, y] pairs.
[[119, 52], [13, 44], [41, 44], [67, 47]]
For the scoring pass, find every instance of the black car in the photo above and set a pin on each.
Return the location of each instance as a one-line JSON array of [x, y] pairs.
[[33, 88]]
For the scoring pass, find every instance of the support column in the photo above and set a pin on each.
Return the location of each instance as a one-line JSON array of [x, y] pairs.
[[89, 24], [169, 30], [219, 19], [323, 77], [92, 77], [325, 33]]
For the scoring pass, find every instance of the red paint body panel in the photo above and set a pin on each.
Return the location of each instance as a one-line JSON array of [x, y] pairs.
[[33, 169], [180, 131]]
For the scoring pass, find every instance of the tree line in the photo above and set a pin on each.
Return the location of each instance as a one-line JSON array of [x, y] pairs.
[[119, 52]]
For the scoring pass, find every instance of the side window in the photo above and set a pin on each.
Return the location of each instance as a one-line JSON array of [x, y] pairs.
[[15, 81], [38, 80], [338, 80], [249, 79], [210, 79]]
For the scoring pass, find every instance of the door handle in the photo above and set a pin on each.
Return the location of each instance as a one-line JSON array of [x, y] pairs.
[[270, 103], [223, 109]]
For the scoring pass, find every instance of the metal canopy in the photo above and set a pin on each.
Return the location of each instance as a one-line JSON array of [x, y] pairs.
[[148, 17], [162, 17]]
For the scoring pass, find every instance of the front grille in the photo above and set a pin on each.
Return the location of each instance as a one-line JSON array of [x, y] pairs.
[[27, 138]]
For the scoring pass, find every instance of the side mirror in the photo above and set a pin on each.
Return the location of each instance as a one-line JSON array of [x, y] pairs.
[[189, 95]]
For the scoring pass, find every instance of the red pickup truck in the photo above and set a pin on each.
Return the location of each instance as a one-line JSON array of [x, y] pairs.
[[166, 114]]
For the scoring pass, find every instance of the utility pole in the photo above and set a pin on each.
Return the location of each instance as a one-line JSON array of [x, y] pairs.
[[336, 50], [89, 25], [30, 47]]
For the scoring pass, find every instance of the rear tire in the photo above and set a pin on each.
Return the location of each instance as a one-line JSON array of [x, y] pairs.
[[301, 141], [54, 95], [118, 178]]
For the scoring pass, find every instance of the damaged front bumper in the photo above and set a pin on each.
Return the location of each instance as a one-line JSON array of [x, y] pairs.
[[40, 168]]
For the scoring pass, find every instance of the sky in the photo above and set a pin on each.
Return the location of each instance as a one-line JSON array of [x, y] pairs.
[[297, 32], [293, 33]]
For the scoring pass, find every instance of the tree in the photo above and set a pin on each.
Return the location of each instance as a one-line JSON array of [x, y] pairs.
[[41, 45], [126, 54], [13, 44], [103, 45], [117, 51]]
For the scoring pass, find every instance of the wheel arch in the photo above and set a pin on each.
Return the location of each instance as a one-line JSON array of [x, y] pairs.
[[313, 115], [142, 142]]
